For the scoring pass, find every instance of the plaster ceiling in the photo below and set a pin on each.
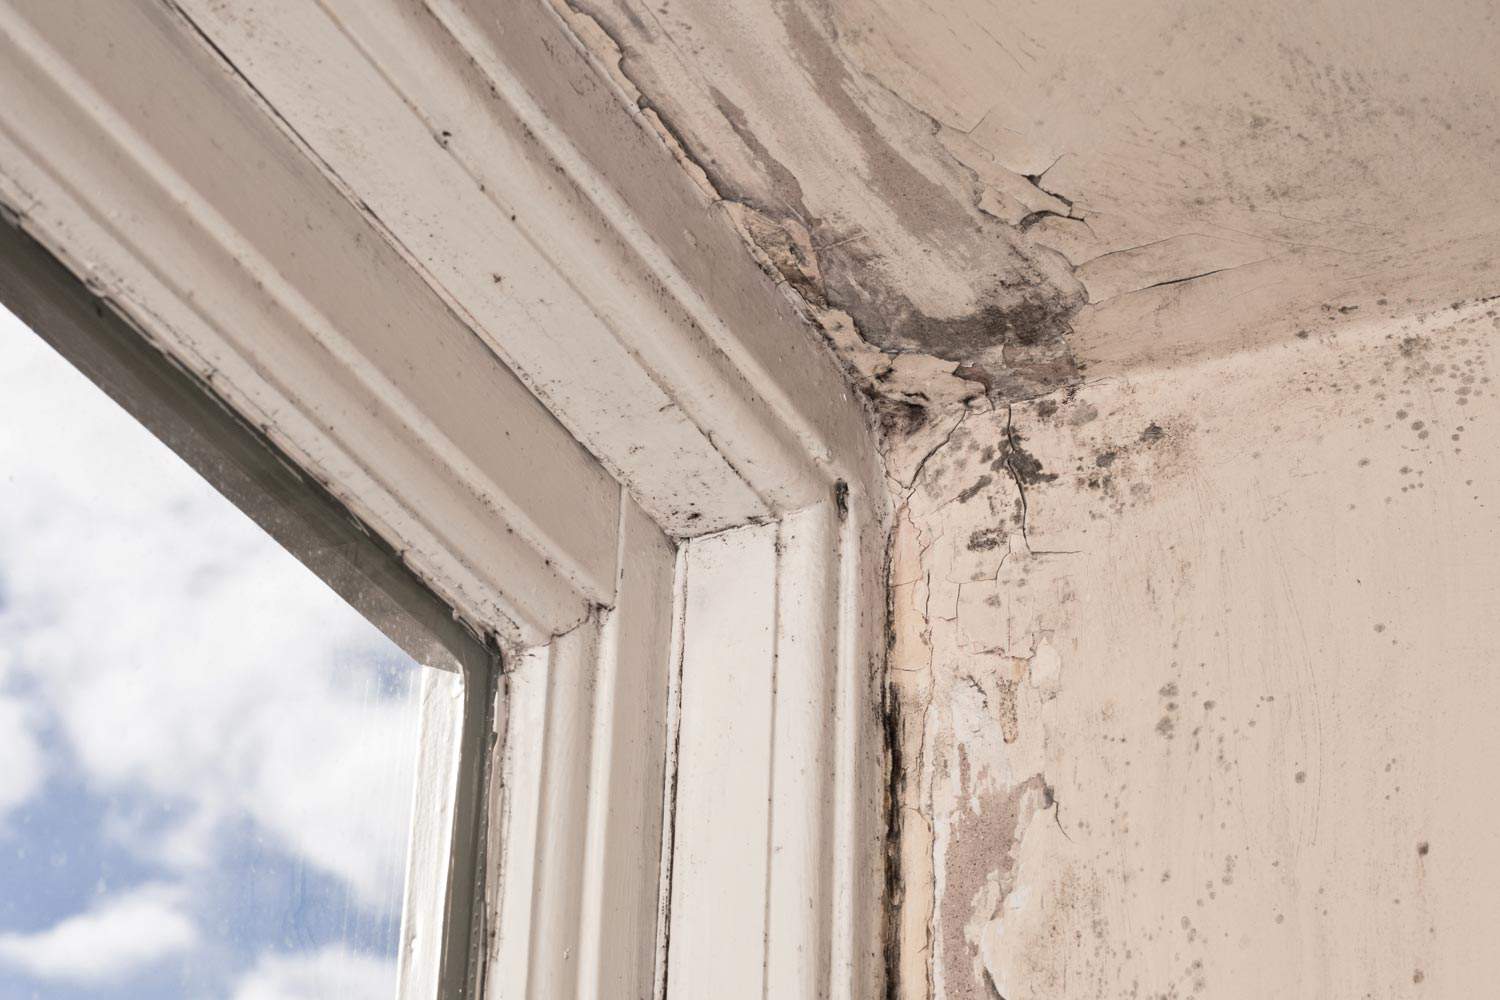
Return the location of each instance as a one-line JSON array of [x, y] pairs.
[[1025, 193]]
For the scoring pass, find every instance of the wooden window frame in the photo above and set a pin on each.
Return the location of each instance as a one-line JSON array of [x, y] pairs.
[[442, 264]]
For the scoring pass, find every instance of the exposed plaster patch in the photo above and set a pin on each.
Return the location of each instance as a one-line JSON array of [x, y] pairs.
[[981, 866]]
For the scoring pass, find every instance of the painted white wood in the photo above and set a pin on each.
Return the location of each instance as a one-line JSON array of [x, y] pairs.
[[420, 958], [428, 115], [857, 859], [516, 829], [798, 932], [721, 857], [584, 767], [621, 888], [598, 134], [669, 796], [533, 299], [777, 870], [156, 175], [562, 825]]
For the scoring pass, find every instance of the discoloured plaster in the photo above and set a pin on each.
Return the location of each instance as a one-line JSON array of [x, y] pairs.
[[1022, 197], [1198, 729], [856, 201]]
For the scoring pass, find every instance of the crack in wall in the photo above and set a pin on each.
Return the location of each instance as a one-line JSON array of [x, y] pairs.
[[1010, 464], [963, 539]]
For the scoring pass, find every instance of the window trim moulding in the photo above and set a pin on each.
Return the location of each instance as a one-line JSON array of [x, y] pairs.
[[435, 256]]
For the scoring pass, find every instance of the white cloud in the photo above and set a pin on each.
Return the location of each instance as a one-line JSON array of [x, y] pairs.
[[330, 974], [21, 763], [118, 936], [182, 654]]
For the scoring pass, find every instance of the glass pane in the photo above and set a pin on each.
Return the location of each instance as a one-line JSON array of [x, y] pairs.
[[206, 756]]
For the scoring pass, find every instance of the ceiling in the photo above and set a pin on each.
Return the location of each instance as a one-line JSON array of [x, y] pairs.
[[1034, 191]]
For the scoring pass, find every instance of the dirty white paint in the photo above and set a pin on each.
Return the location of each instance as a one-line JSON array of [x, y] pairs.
[[1032, 190], [764, 846], [197, 217], [488, 149], [435, 254], [419, 968], [1196, 670]]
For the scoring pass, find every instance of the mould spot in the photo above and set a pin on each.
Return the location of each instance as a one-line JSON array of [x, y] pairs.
[[1084, 413], [898, 417], [1025, 467], [973, 491], [987, 539]]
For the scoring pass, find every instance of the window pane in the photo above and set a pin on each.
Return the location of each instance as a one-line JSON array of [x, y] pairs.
[[206, 756]]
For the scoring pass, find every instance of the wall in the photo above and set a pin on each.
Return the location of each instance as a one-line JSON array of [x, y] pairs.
[[1019, 191], [1195, 670]]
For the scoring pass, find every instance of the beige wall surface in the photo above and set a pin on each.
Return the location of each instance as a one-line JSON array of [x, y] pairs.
[[1197, 671], [1023, 191]]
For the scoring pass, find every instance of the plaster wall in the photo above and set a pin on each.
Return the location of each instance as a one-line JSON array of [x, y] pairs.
[[995, 196], [1195, 671]]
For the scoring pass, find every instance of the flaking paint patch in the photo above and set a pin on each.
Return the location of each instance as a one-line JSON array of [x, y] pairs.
[[980, 865]]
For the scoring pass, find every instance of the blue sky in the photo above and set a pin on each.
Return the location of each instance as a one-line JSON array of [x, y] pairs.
[[206, 757]]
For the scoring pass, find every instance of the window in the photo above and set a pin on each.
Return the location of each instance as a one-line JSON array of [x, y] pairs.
[[441, 260], [208, 756]]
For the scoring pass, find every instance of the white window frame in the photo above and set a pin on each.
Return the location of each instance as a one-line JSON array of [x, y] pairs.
[[434, 255]]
